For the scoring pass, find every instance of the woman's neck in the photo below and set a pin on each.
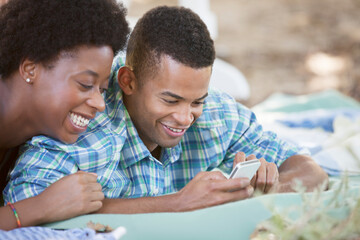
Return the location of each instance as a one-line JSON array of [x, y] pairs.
[[14, 125]]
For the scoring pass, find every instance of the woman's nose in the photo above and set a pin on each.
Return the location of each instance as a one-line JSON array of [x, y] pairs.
[[97, 101]]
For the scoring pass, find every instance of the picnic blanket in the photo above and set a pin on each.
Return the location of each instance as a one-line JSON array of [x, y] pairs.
[[327, 123], [44, 233]]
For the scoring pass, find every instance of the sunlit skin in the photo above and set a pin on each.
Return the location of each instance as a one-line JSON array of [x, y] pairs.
[[72, 84], [167, 104]]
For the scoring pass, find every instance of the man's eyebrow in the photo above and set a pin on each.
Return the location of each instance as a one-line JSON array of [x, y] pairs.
[[205, 95], [170, 94]]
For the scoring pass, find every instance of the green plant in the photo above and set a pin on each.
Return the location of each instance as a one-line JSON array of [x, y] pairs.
[[321, 216]]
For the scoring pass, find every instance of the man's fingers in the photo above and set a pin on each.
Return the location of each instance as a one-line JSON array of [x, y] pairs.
[[226, 185], [239, 157], [215, 175], [231, 196], [272, 177], [261, 176], [253, 180], [267, 176], [251, 157], [239, 194]]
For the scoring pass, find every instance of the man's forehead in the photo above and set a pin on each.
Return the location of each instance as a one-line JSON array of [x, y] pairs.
[[164, 59]]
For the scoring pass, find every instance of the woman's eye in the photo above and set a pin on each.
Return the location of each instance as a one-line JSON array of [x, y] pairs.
[[102, 90], [86, 86]]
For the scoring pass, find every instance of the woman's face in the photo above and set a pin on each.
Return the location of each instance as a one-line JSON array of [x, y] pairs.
[[67, 93]]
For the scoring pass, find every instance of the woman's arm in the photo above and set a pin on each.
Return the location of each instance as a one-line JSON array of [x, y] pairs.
[[71, 196]]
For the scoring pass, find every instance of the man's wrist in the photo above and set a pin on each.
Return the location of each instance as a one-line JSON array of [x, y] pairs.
[[174, 204]]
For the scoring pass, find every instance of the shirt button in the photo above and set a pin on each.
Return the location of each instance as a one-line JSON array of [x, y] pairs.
[[156, 191]]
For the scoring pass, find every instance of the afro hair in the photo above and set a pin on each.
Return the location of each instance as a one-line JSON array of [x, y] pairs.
[[40, 29]]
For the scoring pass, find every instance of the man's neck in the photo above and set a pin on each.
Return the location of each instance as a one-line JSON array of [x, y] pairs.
[[156, 153]]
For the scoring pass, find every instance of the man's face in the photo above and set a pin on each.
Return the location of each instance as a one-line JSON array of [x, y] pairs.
[[167, 104]]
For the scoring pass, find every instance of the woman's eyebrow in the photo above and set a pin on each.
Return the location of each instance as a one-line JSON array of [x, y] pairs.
[[89, 72]]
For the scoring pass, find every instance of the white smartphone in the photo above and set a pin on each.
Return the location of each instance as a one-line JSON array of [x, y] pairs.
[[245, 169]]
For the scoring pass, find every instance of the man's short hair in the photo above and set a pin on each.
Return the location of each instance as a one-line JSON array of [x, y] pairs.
[[174, 31], [40, 29]]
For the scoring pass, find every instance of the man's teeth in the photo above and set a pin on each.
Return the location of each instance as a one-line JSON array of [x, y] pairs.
[[175, 130], [79, 120]]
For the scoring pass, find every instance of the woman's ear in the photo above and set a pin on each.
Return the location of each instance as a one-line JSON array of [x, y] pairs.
[[126, 80], [28, 71]]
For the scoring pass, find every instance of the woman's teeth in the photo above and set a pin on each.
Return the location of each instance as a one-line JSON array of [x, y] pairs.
[[79, 120]]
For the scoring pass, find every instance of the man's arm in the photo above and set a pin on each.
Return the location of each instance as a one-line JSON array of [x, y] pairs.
[[302, 168], [269, 178], [205, 190]]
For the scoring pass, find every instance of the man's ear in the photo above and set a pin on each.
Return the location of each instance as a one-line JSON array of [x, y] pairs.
[[126, 80], [28, 70]]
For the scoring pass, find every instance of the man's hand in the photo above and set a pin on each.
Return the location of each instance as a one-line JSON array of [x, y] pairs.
[[212, 188], [206, 189], [267, 175]]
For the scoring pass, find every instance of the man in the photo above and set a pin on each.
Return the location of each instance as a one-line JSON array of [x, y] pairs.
[[163, 131]]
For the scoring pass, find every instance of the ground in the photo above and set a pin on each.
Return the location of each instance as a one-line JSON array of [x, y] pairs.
[[296, 47]]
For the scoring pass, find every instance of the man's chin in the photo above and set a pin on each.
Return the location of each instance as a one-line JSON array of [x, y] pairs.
[[169, 144]]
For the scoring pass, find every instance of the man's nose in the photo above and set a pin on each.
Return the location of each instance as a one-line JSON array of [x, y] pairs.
[[184, 116]]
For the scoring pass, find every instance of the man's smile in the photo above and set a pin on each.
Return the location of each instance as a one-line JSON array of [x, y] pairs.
[[174, 132]]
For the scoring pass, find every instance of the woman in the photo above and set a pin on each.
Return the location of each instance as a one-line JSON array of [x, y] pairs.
[[55, 60]]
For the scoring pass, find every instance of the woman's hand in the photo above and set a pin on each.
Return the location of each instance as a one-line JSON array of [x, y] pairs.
[[72, 195]]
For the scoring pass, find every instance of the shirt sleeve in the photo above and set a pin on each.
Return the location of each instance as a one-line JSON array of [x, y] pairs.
[[247, 135], [36, 169]]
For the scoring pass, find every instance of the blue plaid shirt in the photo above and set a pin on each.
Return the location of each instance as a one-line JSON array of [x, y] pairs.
[[111, 147]]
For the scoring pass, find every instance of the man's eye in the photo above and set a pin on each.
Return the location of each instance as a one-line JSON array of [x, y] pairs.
[[198, 103], [170, 101]]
